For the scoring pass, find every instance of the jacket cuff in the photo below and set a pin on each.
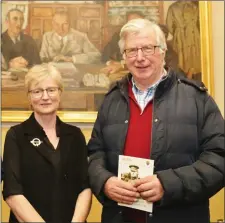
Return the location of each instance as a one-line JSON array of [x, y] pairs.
[[172, 186], [100, 190]]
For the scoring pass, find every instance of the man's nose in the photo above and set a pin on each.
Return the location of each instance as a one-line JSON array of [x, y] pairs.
[[20, 22], [140, 54], [61, 28]]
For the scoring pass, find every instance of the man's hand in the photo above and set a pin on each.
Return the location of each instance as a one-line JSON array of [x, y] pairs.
[[62, 58], [18, 62], [150, 188], [120, 191], [112, 67]]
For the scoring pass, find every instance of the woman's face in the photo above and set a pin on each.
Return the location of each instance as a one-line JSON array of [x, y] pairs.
[[45, 97]]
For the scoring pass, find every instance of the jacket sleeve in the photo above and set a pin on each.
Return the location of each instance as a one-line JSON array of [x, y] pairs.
[[83, 161], [33, 53], [45, 54], [206, 176], [89, 54], [11, 165], [98, 174]]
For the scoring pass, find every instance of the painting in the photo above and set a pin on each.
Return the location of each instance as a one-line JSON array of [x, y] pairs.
[[80, 38]]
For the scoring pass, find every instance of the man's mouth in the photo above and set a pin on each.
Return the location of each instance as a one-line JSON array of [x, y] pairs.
[[141, 67]]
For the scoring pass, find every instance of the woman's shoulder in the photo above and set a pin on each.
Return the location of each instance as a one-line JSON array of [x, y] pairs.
[[69, 128], [17, 127]]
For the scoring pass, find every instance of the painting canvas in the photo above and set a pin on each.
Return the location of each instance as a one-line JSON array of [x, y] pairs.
[[81, 38]]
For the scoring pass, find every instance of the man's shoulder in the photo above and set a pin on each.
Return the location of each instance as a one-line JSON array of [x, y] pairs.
[[27, 37], [4, 34], [5, 37], [198, 85], [118, 85], [48, 34], [76, 32]]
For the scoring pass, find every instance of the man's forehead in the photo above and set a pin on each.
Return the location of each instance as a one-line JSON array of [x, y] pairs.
[[143, 36], [14, 14], [61, 18]]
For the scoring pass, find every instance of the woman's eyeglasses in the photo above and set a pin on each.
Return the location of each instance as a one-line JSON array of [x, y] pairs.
[[38, 93]]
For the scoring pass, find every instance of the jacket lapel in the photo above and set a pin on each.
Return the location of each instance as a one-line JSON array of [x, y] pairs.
[[36, 136]]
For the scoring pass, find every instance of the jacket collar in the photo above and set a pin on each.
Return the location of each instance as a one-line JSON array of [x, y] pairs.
[[34, 130], [32, 127], [5, 35], [162, 88]]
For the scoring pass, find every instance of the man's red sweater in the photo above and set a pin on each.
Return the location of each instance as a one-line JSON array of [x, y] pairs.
[[138, 142]]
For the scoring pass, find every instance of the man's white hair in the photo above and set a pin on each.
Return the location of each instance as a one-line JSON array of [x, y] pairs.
[[137, 26]]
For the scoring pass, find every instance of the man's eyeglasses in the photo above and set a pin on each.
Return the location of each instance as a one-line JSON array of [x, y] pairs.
[[38, 93], [146, 50]]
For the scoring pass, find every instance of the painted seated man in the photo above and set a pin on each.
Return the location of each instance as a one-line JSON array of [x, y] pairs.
[[64, 44], [18, 49]]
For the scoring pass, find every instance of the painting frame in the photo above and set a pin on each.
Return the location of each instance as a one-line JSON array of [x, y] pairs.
[[205, 19]]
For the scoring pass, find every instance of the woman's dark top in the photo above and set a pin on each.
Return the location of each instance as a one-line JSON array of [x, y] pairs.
[[51, 179]]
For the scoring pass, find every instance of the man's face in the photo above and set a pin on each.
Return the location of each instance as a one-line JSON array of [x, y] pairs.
[[15, 22], [134, 173], [60, 25], [144, 68]]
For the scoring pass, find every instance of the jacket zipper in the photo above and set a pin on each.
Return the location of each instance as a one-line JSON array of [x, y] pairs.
[[153, 118], [148, 215], [127, 123]]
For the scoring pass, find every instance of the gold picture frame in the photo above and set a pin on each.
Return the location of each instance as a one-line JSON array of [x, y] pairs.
[[205, 19]]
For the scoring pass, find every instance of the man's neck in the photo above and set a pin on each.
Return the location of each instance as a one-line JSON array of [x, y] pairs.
[[143, 85], [12, 34]]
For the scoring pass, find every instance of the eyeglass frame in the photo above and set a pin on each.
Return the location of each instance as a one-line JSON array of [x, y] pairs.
[[42, 92], [141, 48]]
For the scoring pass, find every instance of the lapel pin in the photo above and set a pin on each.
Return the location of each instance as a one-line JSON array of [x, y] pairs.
[[36, 142]]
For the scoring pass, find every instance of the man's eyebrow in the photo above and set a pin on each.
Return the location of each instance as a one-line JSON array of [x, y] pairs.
[[17, 17]]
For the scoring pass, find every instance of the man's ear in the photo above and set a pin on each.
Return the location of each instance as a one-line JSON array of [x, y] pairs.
[[124, 56], [7, 21]]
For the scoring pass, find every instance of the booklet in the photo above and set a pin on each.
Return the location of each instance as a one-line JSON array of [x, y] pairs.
[[132, 168]]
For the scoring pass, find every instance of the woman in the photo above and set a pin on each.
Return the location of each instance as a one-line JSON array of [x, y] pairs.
[[45, 159]]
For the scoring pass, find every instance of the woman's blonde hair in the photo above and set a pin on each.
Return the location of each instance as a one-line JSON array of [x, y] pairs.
[[39, 73]]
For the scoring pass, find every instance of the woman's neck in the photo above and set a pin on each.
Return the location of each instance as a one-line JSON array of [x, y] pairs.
[[46, 121]]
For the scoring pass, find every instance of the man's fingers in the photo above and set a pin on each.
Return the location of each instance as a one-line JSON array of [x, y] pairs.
[[145, 187], [127, 186], [147, 194], [144, 180], [127, 193], [153, 198], [124, 199]]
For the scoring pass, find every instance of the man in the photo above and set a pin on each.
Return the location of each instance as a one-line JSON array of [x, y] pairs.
[[19, 50], [154, 113], [66, 44], [111, 53], [132, 175], [134, 172]]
